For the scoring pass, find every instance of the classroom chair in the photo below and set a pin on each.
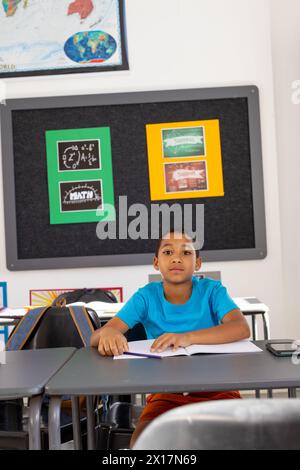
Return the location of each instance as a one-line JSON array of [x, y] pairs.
[[226, 425], [55, 329]]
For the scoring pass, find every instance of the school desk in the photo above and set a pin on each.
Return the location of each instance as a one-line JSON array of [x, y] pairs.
[[24, 374], [88, 373]]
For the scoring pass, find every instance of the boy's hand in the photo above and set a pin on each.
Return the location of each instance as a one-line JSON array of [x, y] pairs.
[[111, 342], [176, 340]]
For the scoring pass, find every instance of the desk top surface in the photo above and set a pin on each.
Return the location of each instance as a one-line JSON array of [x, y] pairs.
[[25, 373], [89, 373]]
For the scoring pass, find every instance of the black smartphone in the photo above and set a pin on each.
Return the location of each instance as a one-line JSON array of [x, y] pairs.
[[282, 349]]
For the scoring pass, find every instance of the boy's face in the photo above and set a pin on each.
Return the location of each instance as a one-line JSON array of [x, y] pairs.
[[176, 258]]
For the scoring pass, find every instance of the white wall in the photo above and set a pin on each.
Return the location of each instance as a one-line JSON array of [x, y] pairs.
[[286, 63], [182, 44]]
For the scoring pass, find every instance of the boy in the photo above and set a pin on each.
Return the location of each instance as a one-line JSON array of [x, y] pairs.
[[179, 311]]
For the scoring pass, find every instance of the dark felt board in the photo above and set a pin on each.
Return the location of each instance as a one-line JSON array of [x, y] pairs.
[[228, 219]]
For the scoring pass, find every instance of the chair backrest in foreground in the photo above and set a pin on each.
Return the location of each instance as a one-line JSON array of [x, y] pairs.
[[226, 424]]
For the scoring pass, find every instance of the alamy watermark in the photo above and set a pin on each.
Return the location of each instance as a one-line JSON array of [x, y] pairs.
[[139, 221], [296, 353], [296, 92]]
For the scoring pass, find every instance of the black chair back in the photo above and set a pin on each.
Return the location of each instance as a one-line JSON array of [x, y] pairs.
[[56, 329]]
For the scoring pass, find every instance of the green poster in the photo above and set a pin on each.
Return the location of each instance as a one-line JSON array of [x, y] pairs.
[[80, 180], [183, 142]]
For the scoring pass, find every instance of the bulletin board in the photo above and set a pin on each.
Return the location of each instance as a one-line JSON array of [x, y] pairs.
[[233, 213]]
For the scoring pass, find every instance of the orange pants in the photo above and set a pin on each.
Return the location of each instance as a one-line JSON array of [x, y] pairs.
[[158, 403]]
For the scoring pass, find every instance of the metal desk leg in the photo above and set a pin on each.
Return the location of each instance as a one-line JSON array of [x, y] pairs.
[[90, 422], [254, 336], [54, 423], [266, 324], [34, 422], [292, 393], [76, 423], [254, 327]]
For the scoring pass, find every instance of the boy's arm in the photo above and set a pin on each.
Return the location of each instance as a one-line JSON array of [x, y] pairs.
[[234, 327], [110, 339]]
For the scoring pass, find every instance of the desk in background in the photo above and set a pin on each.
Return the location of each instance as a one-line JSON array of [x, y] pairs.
[[25, 374], [251, 306], [88, 373], [248, 305]]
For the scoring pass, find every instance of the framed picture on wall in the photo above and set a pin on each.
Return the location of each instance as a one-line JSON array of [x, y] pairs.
[[47, 296], [61, 37]]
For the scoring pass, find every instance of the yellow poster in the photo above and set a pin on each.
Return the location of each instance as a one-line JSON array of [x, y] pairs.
[[185, 159]]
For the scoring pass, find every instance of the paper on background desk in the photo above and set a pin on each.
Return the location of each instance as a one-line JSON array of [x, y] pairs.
[[143, 347], [107, 309], [13, 312], [7, 321], [250, 304]]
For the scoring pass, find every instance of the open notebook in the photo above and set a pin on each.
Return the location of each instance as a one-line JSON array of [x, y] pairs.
[[143, 347]]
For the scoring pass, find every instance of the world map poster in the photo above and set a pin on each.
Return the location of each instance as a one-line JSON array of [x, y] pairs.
[[39, 37]]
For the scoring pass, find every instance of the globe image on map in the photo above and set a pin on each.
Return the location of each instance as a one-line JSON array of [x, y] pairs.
[[90, 47]]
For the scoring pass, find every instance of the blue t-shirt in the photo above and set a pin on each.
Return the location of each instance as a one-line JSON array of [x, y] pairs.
[[206, 307]]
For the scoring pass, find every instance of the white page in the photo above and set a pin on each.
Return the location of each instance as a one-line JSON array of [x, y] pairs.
[[244, 346], [143, 347]]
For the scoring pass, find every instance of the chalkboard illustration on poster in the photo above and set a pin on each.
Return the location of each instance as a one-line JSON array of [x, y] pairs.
[[79, 155], [183, 142], [81, 195], [189, 176]]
